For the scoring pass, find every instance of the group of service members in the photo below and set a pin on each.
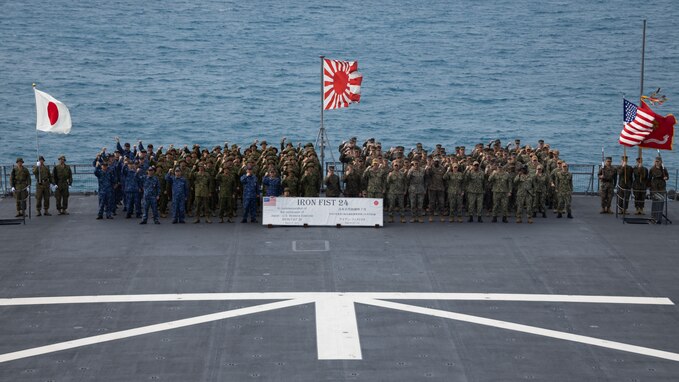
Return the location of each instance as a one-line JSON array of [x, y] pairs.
[[203, 183]]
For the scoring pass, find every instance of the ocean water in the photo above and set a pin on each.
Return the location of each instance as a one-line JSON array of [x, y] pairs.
[[449, 72]]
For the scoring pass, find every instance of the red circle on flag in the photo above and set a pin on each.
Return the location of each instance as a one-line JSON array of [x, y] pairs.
[[376, 202], [52, 112], [340, 82]]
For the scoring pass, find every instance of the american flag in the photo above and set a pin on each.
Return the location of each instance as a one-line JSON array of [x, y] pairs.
[[638, 123], [269, 201]]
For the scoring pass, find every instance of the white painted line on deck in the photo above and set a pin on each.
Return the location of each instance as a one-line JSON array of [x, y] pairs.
[[524, 329], [149, 329], [337, 329], [317, 295]]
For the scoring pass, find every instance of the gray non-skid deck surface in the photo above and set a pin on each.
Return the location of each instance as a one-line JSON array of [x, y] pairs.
[[590, 255]]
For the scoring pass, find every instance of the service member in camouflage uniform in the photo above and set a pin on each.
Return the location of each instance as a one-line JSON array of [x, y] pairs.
[[625, 184], [454, 180], [524, 195], [542, 184], [396, 191], [639, 184], [226, 182], [332, 183], [180, 189], [607, 178], [502, 190], [62, 177], [352, 182], [202, 182], [106, 180], [416, 190], [20, 181], [563, 184], [43, 178], [374, 180], [435, 189], [474, 183], [151, 187]]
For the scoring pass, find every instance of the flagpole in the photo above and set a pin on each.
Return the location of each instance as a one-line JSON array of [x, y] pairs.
[[37, 143], [641, 85], [322, 132]]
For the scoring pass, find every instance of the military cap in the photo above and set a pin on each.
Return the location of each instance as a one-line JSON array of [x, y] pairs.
[[541, 141], [62, 157], [177, 169], [658, 158], [263, 143], [353, 139], [20, 160], [151, 168], [476, 163], [286, 189], [462, 147], [201, 165], [609, 158], [104, 163], [438, 145], [418, 144], [376, 161], [331, 168], [127, 144], [143, 151], [42, 158]]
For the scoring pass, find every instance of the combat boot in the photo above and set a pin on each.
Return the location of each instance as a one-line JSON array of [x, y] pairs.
[[431, 218], [197, 220], [421, 219], [47, 213], [504, 219], [451, 219], [544, 215], [207, 219], [534, 214], [570, 216], [38, 213], [221, 220], [459, 219], [391, 219], [413, 219], [518, 220], [494, 219], [608, 210], [471, 219], [603, 211], [143, 221], [530, 220], [479, 220], [403, 219], [559, 215], [443, 218]]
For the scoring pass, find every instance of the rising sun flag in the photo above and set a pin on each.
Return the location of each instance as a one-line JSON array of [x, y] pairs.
[[341, 83]]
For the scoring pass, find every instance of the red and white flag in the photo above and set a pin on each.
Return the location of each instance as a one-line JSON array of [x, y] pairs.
[[53, 115], [341, 83]]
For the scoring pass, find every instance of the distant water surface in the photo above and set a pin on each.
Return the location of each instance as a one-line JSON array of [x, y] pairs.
[[450, 72]]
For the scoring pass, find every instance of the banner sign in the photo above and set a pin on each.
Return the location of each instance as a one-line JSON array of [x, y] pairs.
[[322, 211]]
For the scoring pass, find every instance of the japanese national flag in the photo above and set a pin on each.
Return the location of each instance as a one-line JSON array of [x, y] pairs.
[[53, 116]]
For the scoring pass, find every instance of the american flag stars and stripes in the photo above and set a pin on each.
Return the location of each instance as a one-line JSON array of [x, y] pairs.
[[269, 201], [638, 123], [341, 83]]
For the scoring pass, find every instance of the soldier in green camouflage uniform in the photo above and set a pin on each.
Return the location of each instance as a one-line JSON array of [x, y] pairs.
[[541, 183], [396, 191], [20, 180], [291, 182], [474, 183], [454, 180], [352, 182], [43, 179], [435, 189], [607, 179], [226, 182], [62, 177], [309, 183], [416, 190], [625, 180], [502, 190], [374, 180], [639, 184], [563, 184], [524, 195], [202, 182]]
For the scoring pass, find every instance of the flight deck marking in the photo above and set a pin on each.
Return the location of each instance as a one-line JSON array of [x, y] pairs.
[[337, 334]]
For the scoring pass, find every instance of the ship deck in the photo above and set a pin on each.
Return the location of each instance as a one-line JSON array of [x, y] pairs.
[[559, 300]]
